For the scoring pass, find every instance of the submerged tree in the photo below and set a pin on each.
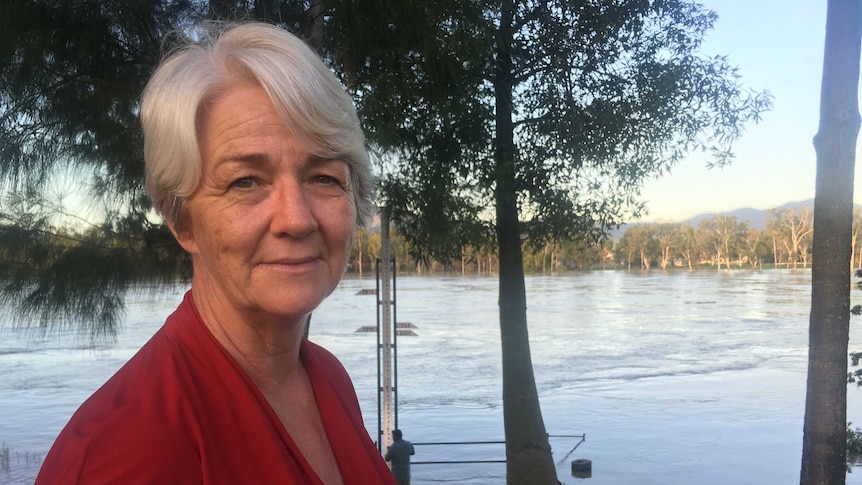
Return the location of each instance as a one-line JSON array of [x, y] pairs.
[[824, 445], [534, 122]]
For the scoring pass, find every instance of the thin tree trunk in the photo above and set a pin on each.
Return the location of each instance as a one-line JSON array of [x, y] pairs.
[[645, 262], [528, 454], [359, 246], [824, 447], [314, 24], [853, 250], [727, 254], [776, 257]]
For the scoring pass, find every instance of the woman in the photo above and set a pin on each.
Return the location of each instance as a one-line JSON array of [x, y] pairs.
[[255, 157]]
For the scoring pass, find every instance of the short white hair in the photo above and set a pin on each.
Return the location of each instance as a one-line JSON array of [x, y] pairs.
[[303, 90]]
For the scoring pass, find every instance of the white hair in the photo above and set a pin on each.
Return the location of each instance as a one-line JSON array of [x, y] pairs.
[[305, 93]]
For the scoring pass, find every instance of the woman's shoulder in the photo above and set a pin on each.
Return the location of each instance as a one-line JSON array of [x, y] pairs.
[[120, 449], [129, 431], [163, 386], [144, 392]]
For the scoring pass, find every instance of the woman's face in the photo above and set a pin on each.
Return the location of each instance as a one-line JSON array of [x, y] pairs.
[[271, 225]]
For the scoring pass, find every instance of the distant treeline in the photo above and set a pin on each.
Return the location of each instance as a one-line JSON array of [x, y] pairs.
[[720, 241]]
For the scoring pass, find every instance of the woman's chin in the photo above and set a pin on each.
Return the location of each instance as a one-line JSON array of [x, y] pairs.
[[288, 308]]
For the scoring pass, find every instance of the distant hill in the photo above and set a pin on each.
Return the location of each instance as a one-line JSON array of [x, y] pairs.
[[756, 218]]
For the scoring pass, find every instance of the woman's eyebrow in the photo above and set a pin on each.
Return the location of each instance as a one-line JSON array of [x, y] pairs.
[[258, 159], [252, 158], [324, 159]]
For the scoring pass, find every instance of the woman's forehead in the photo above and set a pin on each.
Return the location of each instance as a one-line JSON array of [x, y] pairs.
[[245, 112]]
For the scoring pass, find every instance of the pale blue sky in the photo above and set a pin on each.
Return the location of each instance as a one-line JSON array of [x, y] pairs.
[[778, 46]]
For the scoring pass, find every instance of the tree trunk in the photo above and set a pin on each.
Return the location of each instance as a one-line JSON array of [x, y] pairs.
[[544, 258], [314, 24], [528, 454], [727, 254], [774, 254], [789, 254], [359, 245], [824, 446], [645, 261]]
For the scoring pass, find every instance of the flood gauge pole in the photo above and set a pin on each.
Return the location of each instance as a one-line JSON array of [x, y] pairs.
[[386, 348]]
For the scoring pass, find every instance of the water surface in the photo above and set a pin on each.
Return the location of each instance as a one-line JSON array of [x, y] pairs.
[[675, 378]]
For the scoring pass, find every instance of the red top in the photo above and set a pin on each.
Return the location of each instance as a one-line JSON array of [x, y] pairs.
[[183, 411]]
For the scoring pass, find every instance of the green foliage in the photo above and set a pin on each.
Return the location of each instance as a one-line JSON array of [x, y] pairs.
[[604, 96], [71, 74], [855, 376], [722, 241], [854, 446], [70, 77], [855, 357], [449, 223], [537, 123], [78, 279], [854, 436], [854, 440]]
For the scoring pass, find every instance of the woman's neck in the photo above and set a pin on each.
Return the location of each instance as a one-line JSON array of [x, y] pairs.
[[265, 346]]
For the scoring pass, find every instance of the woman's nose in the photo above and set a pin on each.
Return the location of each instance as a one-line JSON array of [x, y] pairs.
[[292, 211]]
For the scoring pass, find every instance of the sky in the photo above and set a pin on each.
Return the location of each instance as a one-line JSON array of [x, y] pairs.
[[778, 47]]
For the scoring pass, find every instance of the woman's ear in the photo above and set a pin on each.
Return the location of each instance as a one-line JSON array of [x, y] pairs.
[[183, 236]]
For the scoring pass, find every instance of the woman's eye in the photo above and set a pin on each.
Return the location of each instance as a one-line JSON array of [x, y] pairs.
[[243, 183], [325, 180], [327, 185], [329, 181]]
